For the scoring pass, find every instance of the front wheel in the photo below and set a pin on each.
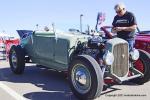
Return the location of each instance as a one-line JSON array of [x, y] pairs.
[[85, 77]]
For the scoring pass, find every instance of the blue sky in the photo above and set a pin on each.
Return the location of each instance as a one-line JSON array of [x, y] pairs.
[[25, 14]]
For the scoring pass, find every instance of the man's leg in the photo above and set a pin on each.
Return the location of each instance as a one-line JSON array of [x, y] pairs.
[[131, 44]]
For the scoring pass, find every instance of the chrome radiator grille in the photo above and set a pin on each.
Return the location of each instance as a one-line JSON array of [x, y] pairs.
[[120, 65]]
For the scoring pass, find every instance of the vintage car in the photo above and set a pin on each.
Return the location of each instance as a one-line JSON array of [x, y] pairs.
[[88, 59]]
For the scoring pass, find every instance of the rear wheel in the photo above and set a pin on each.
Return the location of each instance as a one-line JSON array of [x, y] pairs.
[[143, 65], [85, 77], [17, 59]]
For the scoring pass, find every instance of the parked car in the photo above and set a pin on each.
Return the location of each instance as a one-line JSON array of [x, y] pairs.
[[89, 60], [5, 44]]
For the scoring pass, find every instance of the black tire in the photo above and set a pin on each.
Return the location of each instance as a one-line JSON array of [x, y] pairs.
[[90, 67], [145, 59], [17, 59]]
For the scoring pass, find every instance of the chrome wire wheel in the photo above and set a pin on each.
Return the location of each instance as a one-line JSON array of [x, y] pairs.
[[81, 78]]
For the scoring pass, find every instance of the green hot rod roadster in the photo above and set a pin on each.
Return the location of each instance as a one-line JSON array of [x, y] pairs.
[[88, 59]]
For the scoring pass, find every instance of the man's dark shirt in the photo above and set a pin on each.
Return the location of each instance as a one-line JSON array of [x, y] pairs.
[[127, 20]]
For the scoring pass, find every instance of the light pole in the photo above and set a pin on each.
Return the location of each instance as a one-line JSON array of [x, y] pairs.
[[81, 22]]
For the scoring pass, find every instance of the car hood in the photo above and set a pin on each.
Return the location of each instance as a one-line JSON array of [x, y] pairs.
[[143, 38]]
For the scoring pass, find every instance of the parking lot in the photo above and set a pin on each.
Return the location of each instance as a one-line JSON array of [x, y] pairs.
[[43, 84]]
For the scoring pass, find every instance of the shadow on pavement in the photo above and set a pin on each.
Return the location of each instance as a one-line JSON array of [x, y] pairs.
[[49, 96], [53, 83]]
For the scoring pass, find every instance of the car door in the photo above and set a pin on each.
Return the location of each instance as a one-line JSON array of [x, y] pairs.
[[44, 46], [61, 51]]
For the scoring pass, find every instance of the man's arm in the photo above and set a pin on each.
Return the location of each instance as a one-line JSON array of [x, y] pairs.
[[130, 28], [113, 30]]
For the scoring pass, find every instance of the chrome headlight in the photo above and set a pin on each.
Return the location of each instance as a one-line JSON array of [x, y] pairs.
[[108, 58], [134, 54]]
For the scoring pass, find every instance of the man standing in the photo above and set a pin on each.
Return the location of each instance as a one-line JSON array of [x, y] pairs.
[[124, 24]]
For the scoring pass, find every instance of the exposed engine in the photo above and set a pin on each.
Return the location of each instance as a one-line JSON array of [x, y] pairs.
[[95, 47]]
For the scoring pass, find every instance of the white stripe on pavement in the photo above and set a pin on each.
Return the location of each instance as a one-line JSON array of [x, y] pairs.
[[11, 92]]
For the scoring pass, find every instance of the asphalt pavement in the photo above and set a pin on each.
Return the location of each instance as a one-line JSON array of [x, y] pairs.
[[42, 84]]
